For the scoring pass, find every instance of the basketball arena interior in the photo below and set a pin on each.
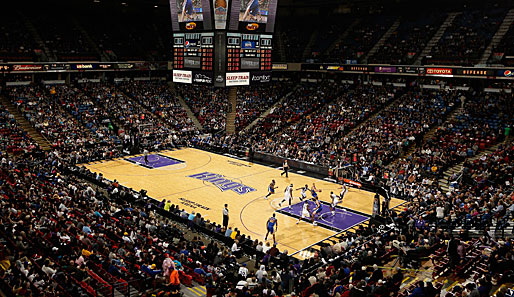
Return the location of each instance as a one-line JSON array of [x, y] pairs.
[[238, 148]]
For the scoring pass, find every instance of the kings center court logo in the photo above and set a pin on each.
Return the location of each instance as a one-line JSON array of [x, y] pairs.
[[223, 183]]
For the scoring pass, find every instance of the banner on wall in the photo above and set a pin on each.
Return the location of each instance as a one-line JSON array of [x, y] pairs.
[[182, 76], [237, 79]]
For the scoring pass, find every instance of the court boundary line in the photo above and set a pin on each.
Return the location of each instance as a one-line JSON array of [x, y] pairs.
[[168, 171], [369, 218], [257, 234], [208, 185], [270, 167], [335, 229], [329, 237]]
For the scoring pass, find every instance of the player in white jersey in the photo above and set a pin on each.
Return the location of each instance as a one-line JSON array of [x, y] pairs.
[[344, 190], [335, 201], [288, 195], [303, 193], [306, 212]]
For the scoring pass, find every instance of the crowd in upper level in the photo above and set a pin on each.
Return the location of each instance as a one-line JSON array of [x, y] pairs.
[[347, 38]]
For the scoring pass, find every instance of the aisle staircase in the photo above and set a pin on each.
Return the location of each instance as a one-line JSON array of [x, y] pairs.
[[281, 47], [265, 114], [504, 27], [375, 115], [43, 143], [437, 36], [454, 113], [341, 37], [382, 40], [45, 54], [308, 48], [92, 44], [444, 182], [232, 111], [189, 113]]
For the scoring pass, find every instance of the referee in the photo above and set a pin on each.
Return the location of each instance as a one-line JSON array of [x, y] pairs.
[[285, 167], [225, 217]]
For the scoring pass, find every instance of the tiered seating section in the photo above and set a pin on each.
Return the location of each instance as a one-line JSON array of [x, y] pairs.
[[313, 136], [64, 39], [479, 125], [16, 43], [61, 236], [208, 104], [253, 101], [13, 139], [466, 39], [29, 35], [157, 98], [504, 49], [361, 39], [85, 111], [40, 109], [408, 41]]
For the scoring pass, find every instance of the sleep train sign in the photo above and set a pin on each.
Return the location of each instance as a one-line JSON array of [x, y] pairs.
[[223, 183]]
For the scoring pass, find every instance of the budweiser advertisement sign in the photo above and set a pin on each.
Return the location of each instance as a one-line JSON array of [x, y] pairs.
[[440, 71], [28, 67]]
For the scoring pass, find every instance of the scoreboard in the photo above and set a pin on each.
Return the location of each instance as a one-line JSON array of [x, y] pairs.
[[222, 42], [248, 52], [193, 51]]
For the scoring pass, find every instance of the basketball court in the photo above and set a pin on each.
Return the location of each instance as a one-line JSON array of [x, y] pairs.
[[203, 182]]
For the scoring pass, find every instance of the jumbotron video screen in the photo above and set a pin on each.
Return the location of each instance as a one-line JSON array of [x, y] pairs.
[[222, 42]]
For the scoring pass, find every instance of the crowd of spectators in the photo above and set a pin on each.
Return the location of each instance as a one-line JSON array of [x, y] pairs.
[[159, 99], [480, 124], [64, 40], [76, 237], [358, 42], [503, 49], [16, 42], [208, 104], [138, 125], [13, 139], [40, 108], [467, 37], [306, 98], [408, 40], [83, 108], [373, 145], [254, 100], [67, 231], [311, 136]]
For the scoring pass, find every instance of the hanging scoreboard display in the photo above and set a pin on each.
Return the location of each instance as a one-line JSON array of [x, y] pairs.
[[193, 51], [248, 52], [222, 42]]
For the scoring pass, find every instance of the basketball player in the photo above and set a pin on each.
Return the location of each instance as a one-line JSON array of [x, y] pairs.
[[272, 226], [314, 191], [303, 193], [335, 201], [306, 211], [188, 10], [288, 195], [285, 167], [317, 210], [271, 189], [252, 10], [145, 152], [344, 190]]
